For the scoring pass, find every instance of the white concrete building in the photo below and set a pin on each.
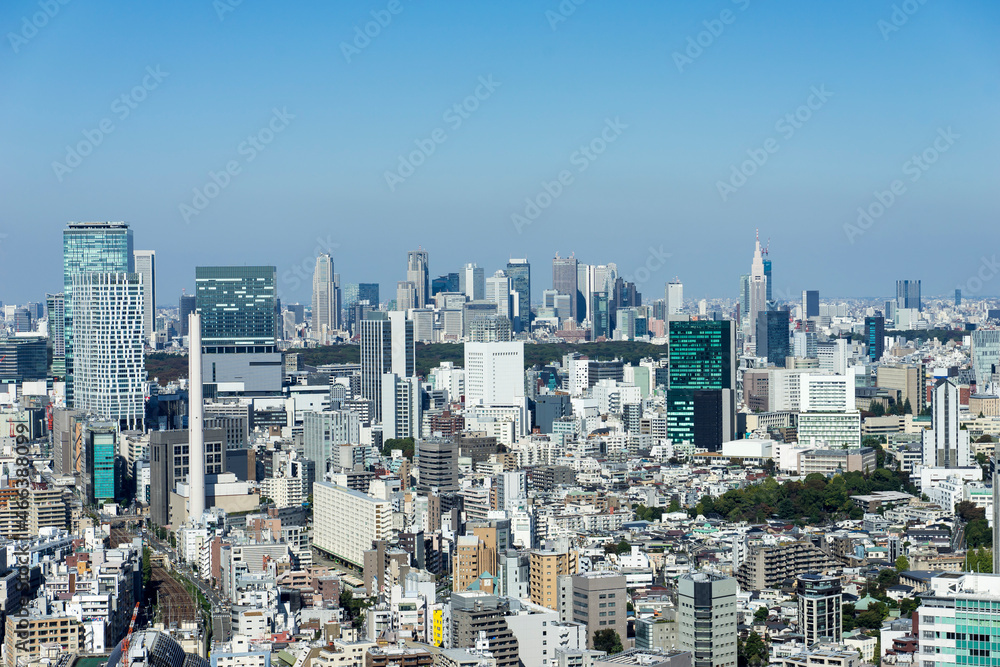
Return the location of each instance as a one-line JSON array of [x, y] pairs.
[[346, 521]]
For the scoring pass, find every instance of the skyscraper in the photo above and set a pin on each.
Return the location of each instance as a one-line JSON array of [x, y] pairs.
[[109, 363], [472, 282], [498, 291], [55, 309], [494, 373], [386, 347], [810, 304], [958, 297], [875, 337], [187, 304], [238, 327], [675, 297], [772, 336], [90, 247], [519, 271], [418, 273], [946, 445], [985, 355], [908, 294], [820, 608], [757, 288], [744, 302], [145, 266], [702, 383], [706, 618], [406, 295], [446, 283], [600, 318], [564, 281], [325, 299], [767, 275]]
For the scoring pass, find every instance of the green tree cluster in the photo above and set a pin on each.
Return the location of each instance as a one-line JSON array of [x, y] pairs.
[[814, 500], [979, 560], [751, 652], [608, 640], [406, 444], [651, 514]]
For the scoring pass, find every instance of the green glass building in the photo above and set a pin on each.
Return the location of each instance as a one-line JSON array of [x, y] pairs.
[[701, 393], [103, 463], [90, 247]]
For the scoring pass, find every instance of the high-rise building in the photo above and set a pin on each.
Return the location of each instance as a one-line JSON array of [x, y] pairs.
[[386, 347], [109, 366], [145, 266], [55, 309], [446, 283], [958, 297], [772, 336], [406, 296], [401, 406], [23, 359], [598, 600], [564, 281], [702, 357], [910, 380], [744, 302], [325, 299], [958, 617], [946, 445], [767, 274], [437, 464], [238, 305], [706, 618], [600, 317], [90, 247], [985, 355], [908, 294], [519, 271], [546, 568], [104, 466], [498, 291], [187, 304], [757, 287], [418, 273], [322, 432], [675, 297], [347, 522], [476, 615], [820, 608], [494, 373], [875, 337], [472, 282], [810, 304]]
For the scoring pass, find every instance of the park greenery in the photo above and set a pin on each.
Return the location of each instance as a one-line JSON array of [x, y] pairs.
[[405, 444], [608, 640]]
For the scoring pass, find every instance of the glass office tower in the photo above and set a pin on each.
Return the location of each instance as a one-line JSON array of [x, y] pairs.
[[519, 272], [90, 247], [701, 393]]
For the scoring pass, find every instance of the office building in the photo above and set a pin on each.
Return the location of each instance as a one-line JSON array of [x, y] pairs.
[[418, 273], [564, 281], [675, 297], [187, 304], [238, 307], [446, 283], [109, 366], [810, 304], [472, 559], [772, 336], [820, 608], [386, 347], [875, 337], [909, 380], [145, 266], [90, 247], [55, 309], [958, 297], [325, 299], [494, 373], [744, 301], [346, 522], [472, 282], [105, 467], [519, 271], [489, 329], [406, 295], [985, 354], [23, 359], [401, 406], [437, 465], [475, 615], [959, 615], [323, 432], [908, 294], [600, 317], [171, 457], [758, 287], [545, 569], [498, 291], [946, 445], [706, 618], [702, 383], [598, 600]]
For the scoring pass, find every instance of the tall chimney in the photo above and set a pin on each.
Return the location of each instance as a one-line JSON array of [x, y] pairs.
[[196, 428]]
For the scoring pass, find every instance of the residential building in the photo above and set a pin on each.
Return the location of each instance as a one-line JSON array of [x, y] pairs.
[[347, 522], [546, 568], [707, 618], [820, 601]]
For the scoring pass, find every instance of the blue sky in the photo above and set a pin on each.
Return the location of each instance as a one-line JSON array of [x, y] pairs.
[[321, 181]]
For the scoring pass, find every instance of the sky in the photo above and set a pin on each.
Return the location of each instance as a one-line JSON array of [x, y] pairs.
[[859, 137]]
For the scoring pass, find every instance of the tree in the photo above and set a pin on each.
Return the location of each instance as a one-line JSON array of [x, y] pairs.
[[147, 567], [675, 506], [967, 511], [902, 563], [623, 547], [907, 408], [978, 534], [878, 410], [985, 437], [761, 615], [753, 651], [608, 641], [907, 606]]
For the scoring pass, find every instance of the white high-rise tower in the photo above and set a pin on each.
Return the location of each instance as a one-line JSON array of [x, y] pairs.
[[145, 265], [758, 288], [196, 433], [325, 299]]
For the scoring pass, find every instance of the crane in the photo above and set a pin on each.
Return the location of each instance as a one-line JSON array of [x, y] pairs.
[[128, 635]]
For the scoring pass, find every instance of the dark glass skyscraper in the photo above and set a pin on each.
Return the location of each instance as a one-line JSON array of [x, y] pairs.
[[767, 274], [564, 281], [701, 395], [90, 247], [519, 272], [875, 336], [446, 283], [908, 294], [599, 315], [772, 336], [810, 304]]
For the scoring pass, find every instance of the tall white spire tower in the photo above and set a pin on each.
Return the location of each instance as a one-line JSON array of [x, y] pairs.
[[758, 288], [196, 432]]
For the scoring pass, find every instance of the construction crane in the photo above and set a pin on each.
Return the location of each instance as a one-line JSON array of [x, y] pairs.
[[128, 635]]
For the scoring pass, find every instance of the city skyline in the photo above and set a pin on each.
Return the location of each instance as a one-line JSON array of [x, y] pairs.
[[671, 133]]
